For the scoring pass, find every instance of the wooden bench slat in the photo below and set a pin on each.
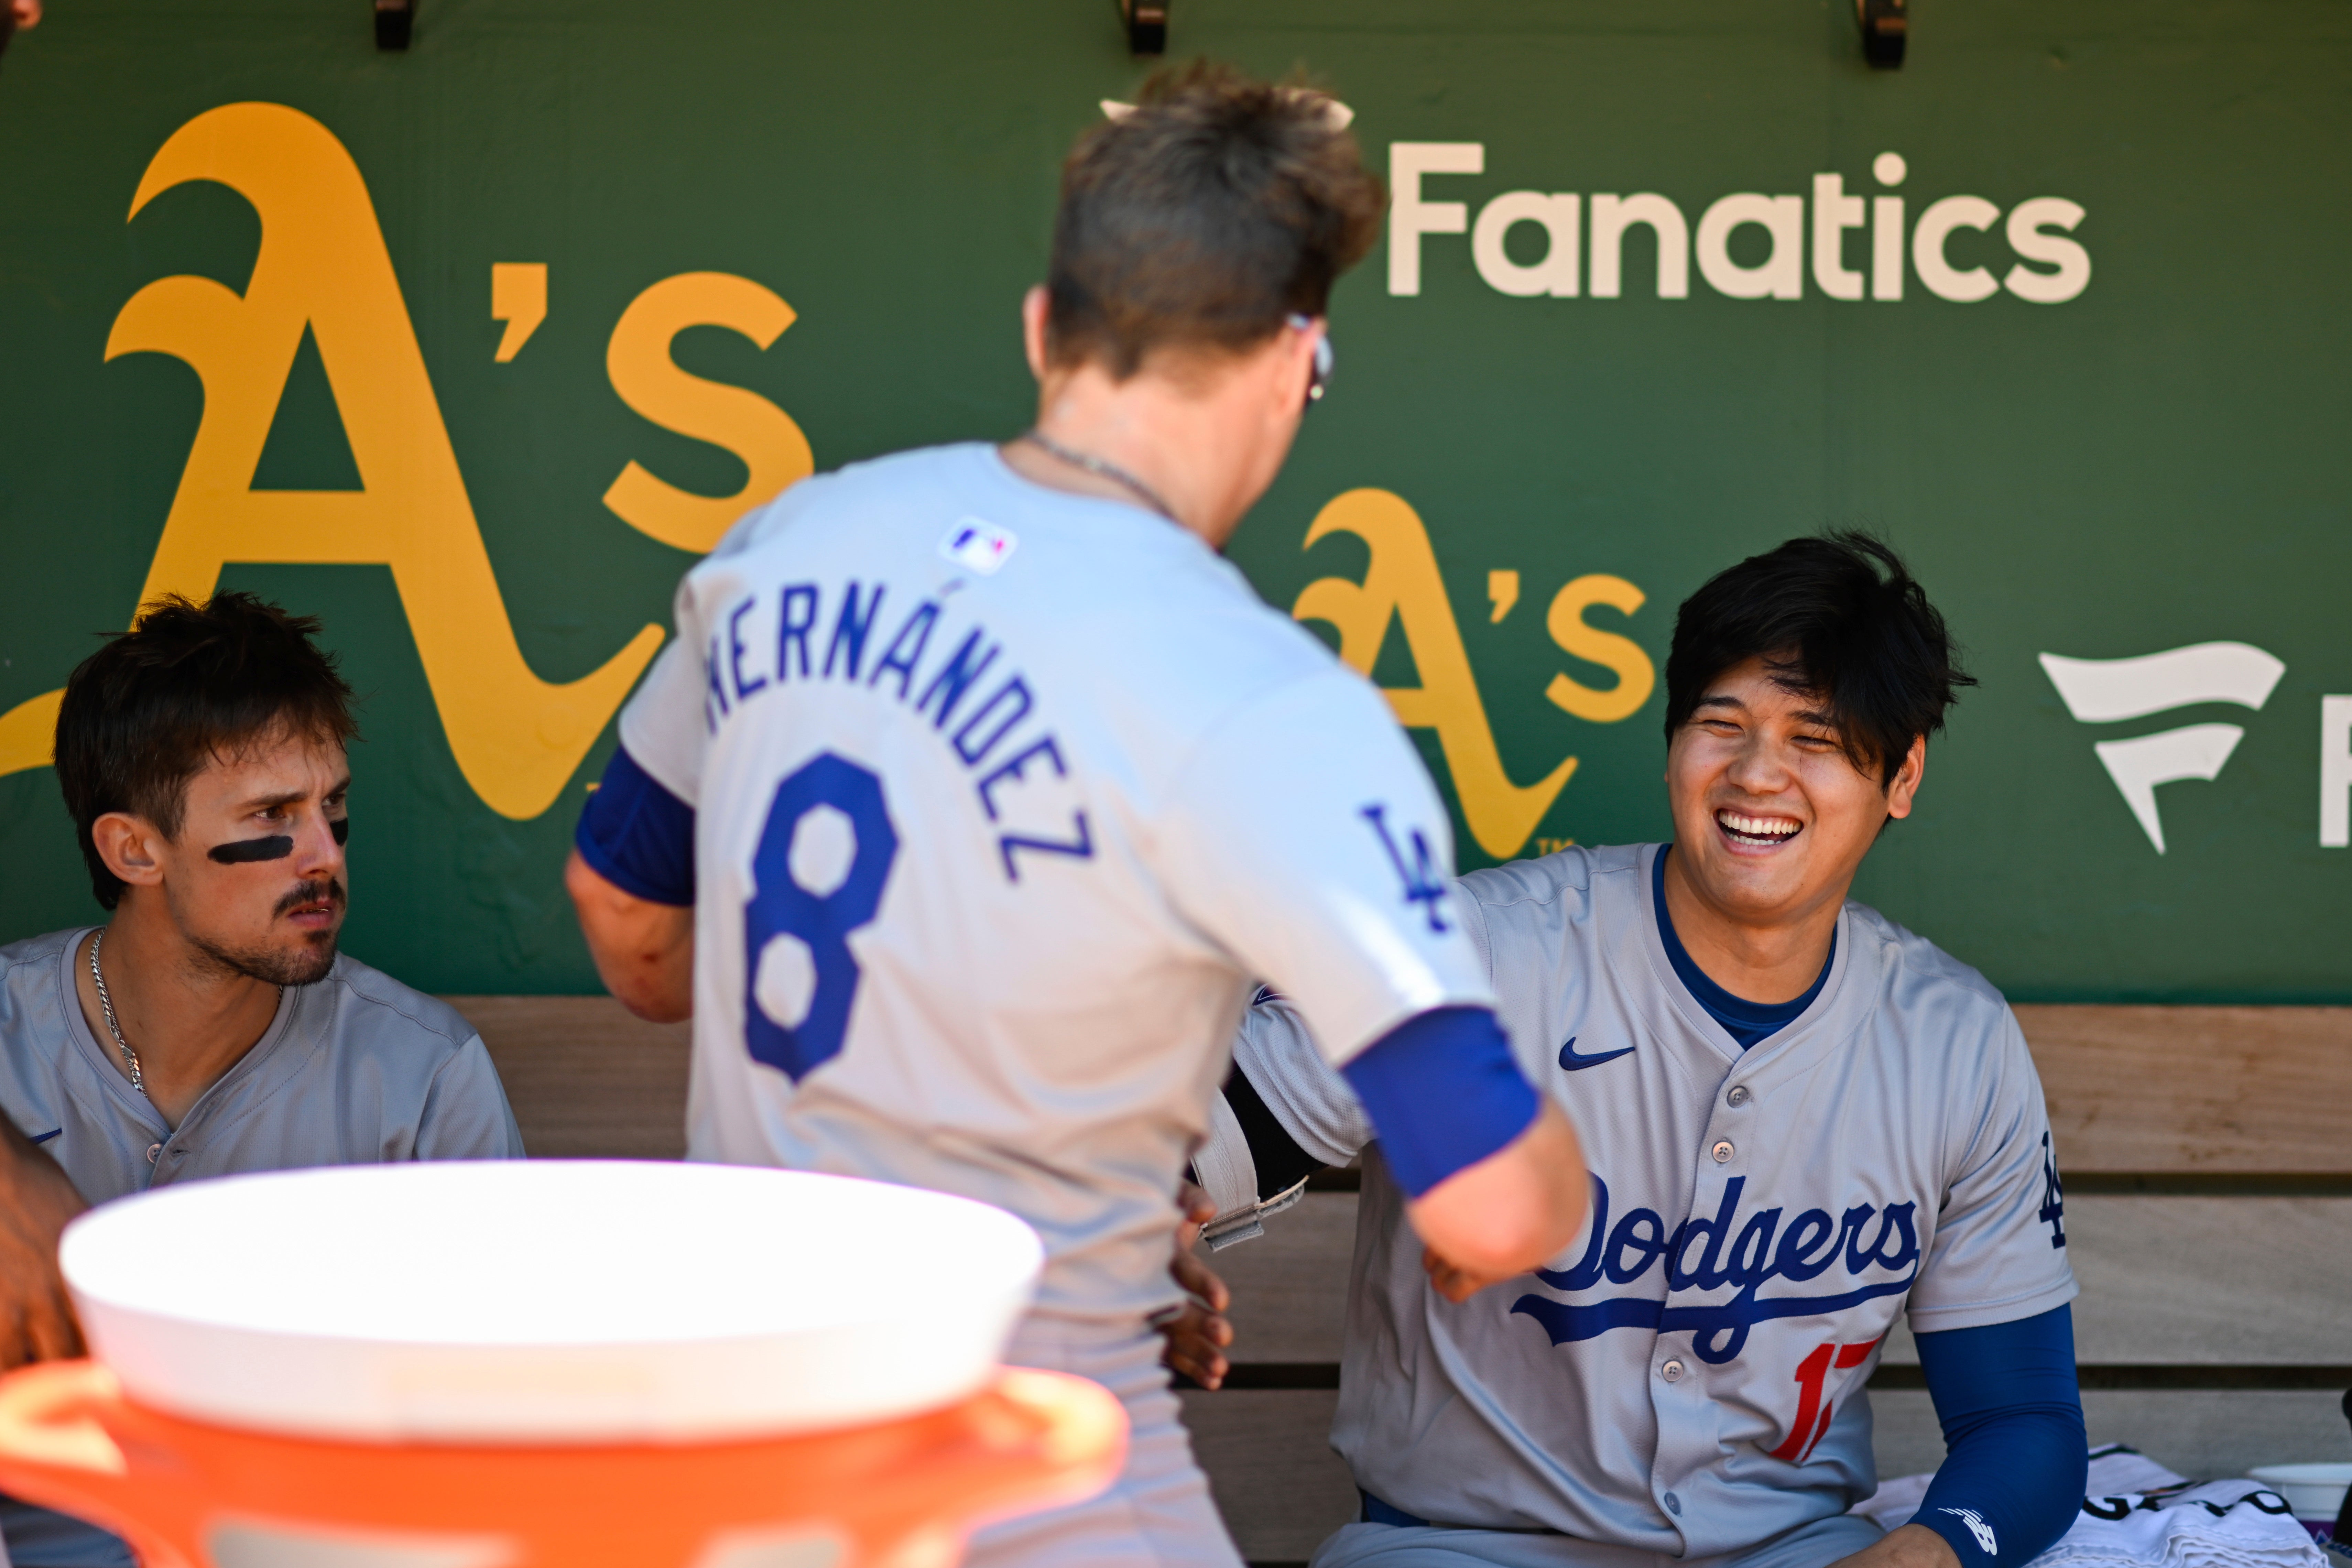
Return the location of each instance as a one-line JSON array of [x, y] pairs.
[[1290, 1285], [2206, 1091], [2228, 1281], [1270, 1464], [586, 1079], [2195, 1089]]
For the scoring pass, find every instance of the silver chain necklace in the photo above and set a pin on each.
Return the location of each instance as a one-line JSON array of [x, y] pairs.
[[106, 1005], [1094, 465]]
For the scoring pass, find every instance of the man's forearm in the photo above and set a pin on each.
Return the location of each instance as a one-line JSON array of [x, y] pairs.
[[1906, 1546], [36, 1200], [644, 950]]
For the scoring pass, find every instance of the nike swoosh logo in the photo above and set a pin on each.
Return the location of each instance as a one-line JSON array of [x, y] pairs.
[[1574, 1063]]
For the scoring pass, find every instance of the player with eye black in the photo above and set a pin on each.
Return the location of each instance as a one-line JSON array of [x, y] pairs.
[[977, 785], [1804, 1123], [210, 1028]]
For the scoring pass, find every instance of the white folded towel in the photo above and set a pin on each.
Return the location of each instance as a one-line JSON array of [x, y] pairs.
[[2140, 1515]]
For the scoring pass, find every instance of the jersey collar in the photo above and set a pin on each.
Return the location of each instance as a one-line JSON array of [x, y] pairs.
[[1639, 956]]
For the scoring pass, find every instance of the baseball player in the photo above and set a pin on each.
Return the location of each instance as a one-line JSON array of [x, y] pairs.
[[1804, 1122], [976, 785], [210, 1028]]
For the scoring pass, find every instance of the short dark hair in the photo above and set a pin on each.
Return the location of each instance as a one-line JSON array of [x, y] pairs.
[[1839, 617], [1217, 209], [187, 684]]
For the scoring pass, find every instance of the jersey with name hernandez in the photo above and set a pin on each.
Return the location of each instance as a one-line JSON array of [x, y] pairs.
[[1002, 797], [1689, 1377]]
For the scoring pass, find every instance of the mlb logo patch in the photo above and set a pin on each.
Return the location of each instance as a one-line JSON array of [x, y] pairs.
[[981, 546]]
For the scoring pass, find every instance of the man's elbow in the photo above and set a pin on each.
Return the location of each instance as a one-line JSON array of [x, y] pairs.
[[1509, 1238], [654, 998]]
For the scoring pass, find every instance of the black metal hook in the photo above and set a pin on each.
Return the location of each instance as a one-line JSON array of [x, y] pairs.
[[394, 21], [1885, 27], [1147, 26]]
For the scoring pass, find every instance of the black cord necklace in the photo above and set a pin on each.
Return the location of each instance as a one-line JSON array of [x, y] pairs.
[[1096, 466]]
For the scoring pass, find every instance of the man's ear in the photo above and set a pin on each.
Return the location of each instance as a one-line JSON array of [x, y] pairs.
[[130, 846], [1905, 786], [1034, 307], [1298, 365]]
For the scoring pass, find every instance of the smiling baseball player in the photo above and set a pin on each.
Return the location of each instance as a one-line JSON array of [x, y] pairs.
[[990, 784], [1803, 1122]]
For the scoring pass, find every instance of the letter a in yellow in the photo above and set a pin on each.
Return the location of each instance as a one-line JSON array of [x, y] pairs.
[[1403, 582], [517, 738]]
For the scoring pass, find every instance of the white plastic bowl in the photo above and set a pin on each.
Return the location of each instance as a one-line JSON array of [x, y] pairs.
[[2315, 1492], [547, 1301]]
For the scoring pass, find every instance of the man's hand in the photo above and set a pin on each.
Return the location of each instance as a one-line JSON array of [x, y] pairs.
[[28, 14], [1512, 1210], [1198, 1331], [36, 1320], [1906, 1546], [1457, 1284], [644, 950]]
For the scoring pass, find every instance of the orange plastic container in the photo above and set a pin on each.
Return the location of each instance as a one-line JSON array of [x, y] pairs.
[[897, 1494]]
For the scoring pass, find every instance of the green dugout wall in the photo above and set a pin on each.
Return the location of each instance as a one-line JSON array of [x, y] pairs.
[[466, 350]]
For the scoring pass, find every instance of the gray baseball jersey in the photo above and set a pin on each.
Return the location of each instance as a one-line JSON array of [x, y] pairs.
[[1687, 1378], [1001, 795], [356, 1070]]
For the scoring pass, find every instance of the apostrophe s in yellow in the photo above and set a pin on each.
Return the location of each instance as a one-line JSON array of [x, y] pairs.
[[1403, 583], [323, 266]]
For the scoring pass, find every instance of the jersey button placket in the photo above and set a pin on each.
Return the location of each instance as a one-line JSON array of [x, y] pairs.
[[1672, 1371], [1738, 1097], [1721, 1151]]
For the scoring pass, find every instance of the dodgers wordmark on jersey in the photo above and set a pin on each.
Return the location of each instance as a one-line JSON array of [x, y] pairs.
[[1688, 1378], [1002, 795]]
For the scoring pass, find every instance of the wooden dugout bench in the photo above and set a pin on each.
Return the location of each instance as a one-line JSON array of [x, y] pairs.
[[2207, 1154]]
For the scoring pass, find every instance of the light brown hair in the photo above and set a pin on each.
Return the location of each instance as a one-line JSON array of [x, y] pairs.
[[1217, 208]]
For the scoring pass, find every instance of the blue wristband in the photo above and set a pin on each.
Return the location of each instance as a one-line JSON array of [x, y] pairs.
[[638, 836], [1443, 1093]]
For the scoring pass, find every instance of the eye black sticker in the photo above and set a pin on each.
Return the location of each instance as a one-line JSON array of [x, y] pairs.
[[274, 847]]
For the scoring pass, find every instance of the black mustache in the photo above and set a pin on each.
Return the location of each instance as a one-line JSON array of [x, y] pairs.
[[330, 891]]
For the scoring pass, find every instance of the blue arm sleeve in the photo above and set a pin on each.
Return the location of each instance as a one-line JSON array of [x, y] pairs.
[[638, 836], [1443, 1091], [2015, 1456]]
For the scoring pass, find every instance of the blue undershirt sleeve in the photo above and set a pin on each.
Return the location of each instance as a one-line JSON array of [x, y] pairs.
[[1443, 1091], [2015, 1455], [638, 836]]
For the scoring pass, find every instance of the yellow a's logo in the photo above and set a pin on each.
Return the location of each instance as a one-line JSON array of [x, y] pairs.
[[323, 264], [1403, 583]]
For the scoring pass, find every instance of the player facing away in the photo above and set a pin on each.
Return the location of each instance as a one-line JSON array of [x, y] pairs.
[[976, 789], [1804, 1123]]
